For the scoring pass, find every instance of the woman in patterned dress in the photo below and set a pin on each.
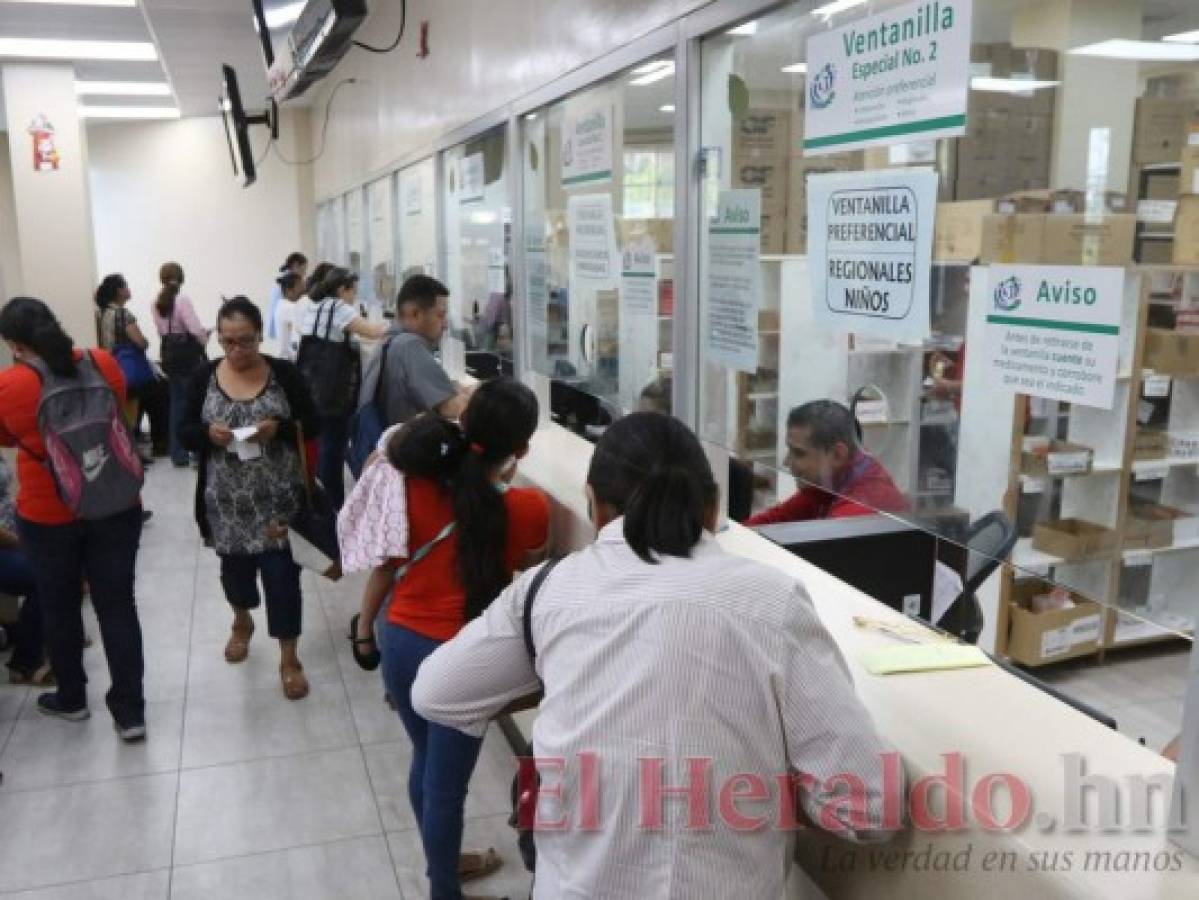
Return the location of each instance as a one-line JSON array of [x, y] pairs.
[[249, 488]]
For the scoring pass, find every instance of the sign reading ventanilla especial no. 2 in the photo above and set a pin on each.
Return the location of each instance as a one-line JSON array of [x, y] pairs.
[[1054, 331], [894, 77]]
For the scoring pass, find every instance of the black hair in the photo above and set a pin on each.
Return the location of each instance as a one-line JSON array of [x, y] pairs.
[[423, 290], [240, 306], [828, 422], [107, 292], [171, 276], [335, 279], [497, 424], [651, 469], [29, 321], [293, 259], [315, 279], [287, 281]]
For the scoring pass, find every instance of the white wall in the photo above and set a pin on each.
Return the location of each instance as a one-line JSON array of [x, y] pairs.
[[10, 249], [165, 191], [481, 56]]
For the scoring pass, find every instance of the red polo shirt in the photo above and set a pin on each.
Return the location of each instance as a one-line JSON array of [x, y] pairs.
[[867, 490]]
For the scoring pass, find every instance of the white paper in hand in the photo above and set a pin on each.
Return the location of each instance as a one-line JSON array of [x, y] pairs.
[[242, 446]]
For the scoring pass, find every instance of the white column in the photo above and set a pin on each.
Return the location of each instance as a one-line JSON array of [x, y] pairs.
[[53, 211]]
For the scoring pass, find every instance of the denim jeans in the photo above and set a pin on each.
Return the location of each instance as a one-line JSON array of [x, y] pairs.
[[443, 760], [178, 388], [103, 551], [330, 468], [280, 582], [16, 578]]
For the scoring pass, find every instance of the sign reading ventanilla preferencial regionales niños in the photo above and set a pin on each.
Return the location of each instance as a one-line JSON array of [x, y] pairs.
[[1054, 331], [897, 76]]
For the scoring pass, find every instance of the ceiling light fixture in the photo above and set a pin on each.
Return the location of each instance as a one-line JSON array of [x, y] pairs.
[[655, 66], [795, 68], [829, 10], [1184, 37], [1009, 85], [44, 48], [123, 88], [1140, 51], [282, 16], [747, 30], [128, 112], [658, 74], [666, 108]]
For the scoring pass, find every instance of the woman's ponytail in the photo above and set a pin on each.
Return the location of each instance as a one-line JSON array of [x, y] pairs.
[[28, 321], [666, 513]]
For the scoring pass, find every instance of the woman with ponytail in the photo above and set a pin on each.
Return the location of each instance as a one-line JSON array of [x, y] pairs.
[[468, 533], [65, 549], [659, 650], [183, 339], [117, 331]]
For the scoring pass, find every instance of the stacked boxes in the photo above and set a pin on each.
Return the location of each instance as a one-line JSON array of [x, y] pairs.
[[761, 141], [1009, 136]]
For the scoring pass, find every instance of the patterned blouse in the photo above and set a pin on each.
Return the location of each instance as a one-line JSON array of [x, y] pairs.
[[244, 497]]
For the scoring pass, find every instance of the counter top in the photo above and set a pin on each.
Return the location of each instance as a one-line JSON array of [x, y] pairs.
[[996, 722]]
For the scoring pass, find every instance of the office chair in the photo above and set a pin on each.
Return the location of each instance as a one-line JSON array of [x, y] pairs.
[[989, 542]]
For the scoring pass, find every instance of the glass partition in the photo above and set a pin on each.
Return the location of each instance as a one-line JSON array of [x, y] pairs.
[[1070, 189], [355, 246], [599, 172], [478, 245], [418, 219], [381, 246]]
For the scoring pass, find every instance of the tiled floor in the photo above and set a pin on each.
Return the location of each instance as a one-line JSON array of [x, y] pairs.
[[241, 794], [237, 793]]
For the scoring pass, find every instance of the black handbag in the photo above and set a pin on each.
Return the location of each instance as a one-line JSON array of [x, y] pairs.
[[524, 795], [331, 369], [180, 352], [312, 531]]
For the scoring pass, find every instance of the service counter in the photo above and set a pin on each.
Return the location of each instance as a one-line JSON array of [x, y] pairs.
[[997, 723]]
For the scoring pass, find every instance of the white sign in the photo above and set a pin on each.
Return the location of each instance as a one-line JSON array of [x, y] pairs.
[[470, 168], [587, 147], [594, 259], [496, 271], [638, 319], [870, 240], [413, 197], [734, 280], [885, 79], [1054, 331]]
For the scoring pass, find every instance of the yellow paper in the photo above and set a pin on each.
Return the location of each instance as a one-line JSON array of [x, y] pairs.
[[922, 658]]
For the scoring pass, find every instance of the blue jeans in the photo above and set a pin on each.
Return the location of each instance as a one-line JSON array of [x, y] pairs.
[[104, 551], [443, 760], [16, 577], [330, 467], [178, 388]]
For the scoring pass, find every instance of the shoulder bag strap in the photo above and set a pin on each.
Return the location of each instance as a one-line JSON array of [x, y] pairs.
[[423, 552], [527, 616]]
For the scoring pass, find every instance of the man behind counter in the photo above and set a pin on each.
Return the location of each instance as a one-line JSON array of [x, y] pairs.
[[838, 479]]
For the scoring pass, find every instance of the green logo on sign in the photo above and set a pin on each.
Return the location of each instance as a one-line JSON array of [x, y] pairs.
[[1007, 294]]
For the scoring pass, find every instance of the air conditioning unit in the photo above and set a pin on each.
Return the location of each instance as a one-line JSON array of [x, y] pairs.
[[320, 37]]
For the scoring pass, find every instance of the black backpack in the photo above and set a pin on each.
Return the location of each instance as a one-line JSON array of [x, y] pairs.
[[331, 369]]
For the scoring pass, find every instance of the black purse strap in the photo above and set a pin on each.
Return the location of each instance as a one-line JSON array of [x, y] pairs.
[[530, 597]]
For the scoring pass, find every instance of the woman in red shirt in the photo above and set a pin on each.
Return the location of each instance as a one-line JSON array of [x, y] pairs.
[[468, 533], [62, 548]]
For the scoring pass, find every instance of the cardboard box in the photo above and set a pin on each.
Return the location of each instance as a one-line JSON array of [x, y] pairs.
[[1171, 353], [1160, 130], [959, 230], [1037, 638], [979, 188], [761, 134], [1188, 181], [1013, 238], [1150, 443], [1186, 231], [1059, 458], [766, 175], [1150, 526], [1157, 253], [799, 169], [1072, 240], [1073, 539], [774, 231], [1025, 202]]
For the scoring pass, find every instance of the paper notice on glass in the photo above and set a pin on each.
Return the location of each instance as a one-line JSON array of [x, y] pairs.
[[734, 280], [471, 172], [587, 147], [638, 319], [593, 255], [242, 445]]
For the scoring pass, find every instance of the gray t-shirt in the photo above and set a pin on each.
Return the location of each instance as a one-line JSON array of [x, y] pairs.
[[414, 381]]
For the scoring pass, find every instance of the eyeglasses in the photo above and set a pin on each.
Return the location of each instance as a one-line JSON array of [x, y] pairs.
[[243, 343]]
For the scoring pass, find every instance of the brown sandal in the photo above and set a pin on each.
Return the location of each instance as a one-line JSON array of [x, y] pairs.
[[475, 864], [238, 646], [295, 684]]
